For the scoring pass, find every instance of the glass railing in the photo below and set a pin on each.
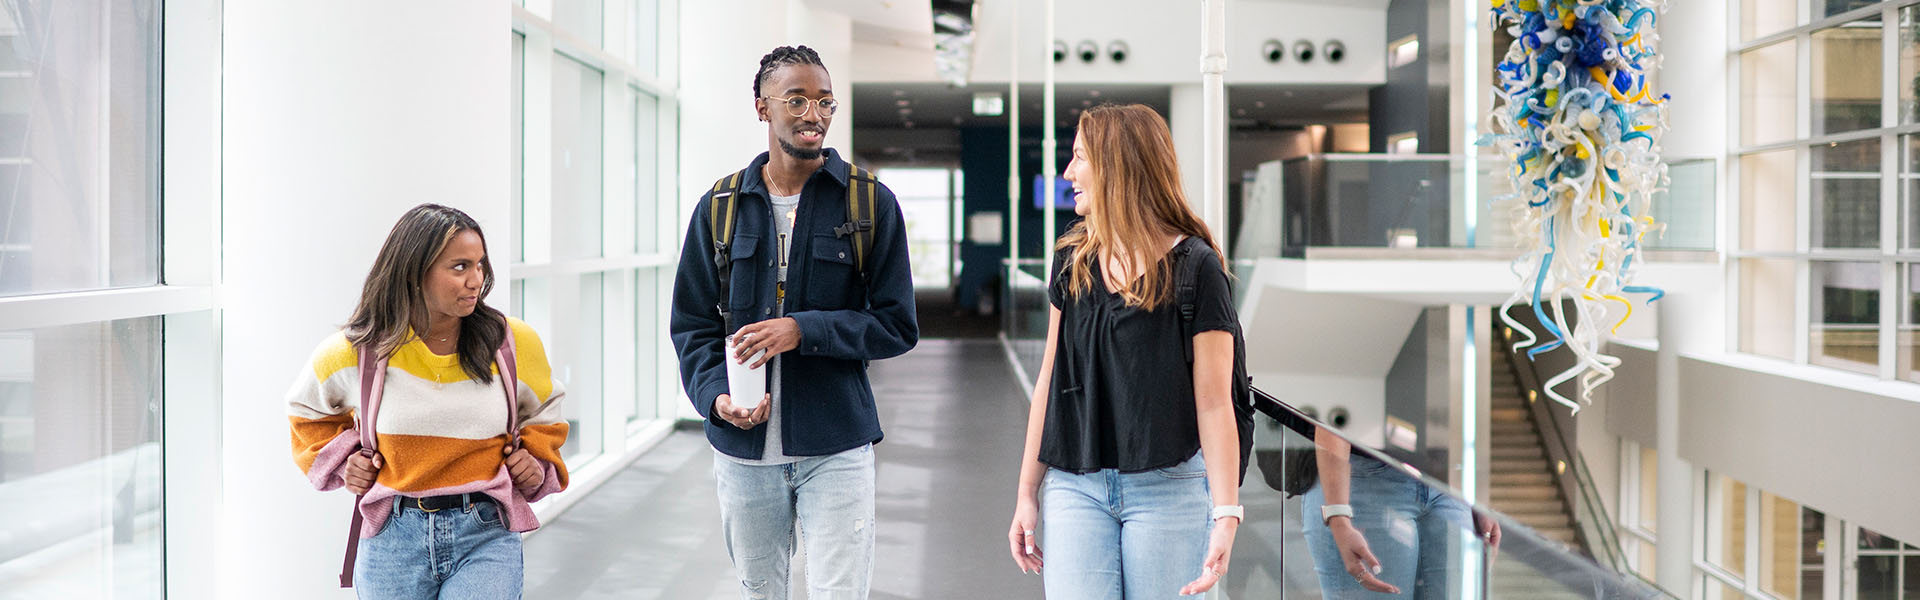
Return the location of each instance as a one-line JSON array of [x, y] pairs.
[[1422, 201], [1024, 313], [1422, 538]]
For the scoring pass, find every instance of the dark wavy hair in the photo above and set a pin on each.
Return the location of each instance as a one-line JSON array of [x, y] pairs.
[[393, 309], [781, 57]]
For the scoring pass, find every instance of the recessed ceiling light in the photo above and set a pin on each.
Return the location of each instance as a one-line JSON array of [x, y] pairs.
[[1094, 93], [906, 111], [899, 92], [902, 102], [1259, 104]]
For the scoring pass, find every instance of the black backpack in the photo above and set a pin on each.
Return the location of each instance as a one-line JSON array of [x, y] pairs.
[[1188, 260], [721, 214]]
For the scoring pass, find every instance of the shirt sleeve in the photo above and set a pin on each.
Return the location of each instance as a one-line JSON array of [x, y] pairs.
[[320, 410], [1057, 285], [1213, 297], [543, 429]]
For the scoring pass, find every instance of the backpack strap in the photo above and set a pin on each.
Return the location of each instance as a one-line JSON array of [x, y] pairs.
[[510, 380], [860, 192], [1186, 284], [373, 382], [722, 212]]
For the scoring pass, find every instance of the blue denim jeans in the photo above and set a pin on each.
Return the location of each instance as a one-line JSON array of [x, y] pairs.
[[1107, 535], [1415, 531], [826, 500], [454, 553]]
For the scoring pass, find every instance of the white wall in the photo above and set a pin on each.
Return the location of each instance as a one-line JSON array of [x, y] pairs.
[[338, 117]]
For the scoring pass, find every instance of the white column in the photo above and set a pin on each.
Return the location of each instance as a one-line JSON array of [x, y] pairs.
[[719, 132], [830, 34], [1049, 148], [1673, 550], [1186, 108], [1213, 70]]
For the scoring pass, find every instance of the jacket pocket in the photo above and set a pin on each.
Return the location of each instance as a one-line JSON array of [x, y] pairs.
[[831, 280], [744, 250]]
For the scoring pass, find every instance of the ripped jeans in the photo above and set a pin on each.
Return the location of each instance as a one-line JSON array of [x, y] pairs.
[[826, 500]]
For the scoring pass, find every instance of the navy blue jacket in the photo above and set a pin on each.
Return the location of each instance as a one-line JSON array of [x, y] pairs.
[[828, 403]]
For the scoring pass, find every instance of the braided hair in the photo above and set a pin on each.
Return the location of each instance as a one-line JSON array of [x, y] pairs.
[[781, 57]]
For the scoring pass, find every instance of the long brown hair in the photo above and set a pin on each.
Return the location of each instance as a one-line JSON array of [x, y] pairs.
[[392, 303], [1138, 200]]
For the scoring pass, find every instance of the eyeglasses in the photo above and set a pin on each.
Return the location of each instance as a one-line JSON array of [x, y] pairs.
[[797, 105]]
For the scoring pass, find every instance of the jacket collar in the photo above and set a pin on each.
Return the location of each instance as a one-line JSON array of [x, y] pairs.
[[835, 167]]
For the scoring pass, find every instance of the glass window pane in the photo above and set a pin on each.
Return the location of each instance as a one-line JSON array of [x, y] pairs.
[[1828, 8], [646, 371], [646, 36], [1649, 489], [1909, 51], [575, 351], [581, 18], [518, 91], [1846, 77], [576, 159], [79, 146], [1874, 540], [1846, 315], [1766, 314], [1909, 190], [1783, 546], [1761, 17], [1905, 342], [1767, 201], [1879, 577], [1766, 106], [1727, 527], [1648, 561], [80, 460], [1846, 194], [646, 174]]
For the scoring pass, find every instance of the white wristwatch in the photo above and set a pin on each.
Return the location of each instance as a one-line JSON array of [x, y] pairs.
[[1236, 511], [1329, 511]]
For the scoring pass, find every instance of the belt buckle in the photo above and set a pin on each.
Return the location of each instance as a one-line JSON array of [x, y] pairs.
[[423, 507]]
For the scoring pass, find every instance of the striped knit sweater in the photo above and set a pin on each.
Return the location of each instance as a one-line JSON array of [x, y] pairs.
[[440, 432]]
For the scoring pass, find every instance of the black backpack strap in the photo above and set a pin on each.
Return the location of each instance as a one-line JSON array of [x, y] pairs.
[[860, 193], [1186, 284], [722, 212]]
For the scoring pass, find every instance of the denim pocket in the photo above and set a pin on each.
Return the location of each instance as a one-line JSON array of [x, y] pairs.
[[487, 513]]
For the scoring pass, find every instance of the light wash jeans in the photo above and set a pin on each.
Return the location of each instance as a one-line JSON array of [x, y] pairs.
[[454, 553], [829, 498], [1108, 535], [1414, 531]]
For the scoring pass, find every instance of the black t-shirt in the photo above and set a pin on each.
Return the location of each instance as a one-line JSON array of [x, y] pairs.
[[1122, 394]]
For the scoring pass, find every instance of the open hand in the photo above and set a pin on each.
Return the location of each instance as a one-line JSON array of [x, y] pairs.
[[744, 418], [1359, 559], [1020, 539], [1219, 553]]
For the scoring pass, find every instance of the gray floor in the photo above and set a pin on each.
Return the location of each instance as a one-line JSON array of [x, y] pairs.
[[953, 418]]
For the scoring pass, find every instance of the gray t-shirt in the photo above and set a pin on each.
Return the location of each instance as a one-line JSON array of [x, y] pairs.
[[784, 210]]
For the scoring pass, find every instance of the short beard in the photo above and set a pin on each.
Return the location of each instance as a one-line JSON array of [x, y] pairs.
[[798, 153]]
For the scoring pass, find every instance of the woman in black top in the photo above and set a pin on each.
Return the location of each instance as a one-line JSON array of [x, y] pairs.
[[1138, 450]]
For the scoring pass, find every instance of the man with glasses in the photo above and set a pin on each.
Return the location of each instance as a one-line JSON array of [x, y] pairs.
[[801, 256]]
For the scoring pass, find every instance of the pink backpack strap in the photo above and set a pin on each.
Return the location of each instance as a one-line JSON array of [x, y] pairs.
[[510, 381], [373, 381]]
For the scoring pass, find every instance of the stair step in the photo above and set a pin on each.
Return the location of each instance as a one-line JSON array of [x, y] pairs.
[[1516, 440], [1499, 452], [1510, 479], [1509, 415], [1519, 466], [1525, 493]]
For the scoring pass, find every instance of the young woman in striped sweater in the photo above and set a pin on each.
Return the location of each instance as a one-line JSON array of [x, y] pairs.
[[445, 490]]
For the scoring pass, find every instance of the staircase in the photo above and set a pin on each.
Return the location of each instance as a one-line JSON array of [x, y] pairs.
[[1522, 486]]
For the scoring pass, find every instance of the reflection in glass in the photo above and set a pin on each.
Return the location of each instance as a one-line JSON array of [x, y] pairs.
[[1909, 56], [1846, 315], [79, 146], [646, 173], [1909, 190], [577, 183], [648, 337], [1766, 106], [1879, 578], [1846, 194], [1727, 534], [1846, 77], [80, 461], [581, 18], [1649, 489], [1762, 17], [1767, 201], [1766, 315], [646, 36], [1788, 536], [1906, 343], [580, 367]]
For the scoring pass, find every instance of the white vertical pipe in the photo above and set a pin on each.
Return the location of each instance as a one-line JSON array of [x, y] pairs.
[[1213, 162], [1673, 523], [1049, 144]]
